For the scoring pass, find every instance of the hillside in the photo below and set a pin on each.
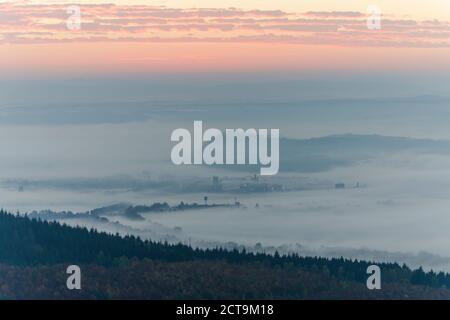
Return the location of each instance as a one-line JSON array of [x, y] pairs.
[[34, 255]]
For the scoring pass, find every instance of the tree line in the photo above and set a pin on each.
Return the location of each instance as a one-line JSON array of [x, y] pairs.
[[29, 242]]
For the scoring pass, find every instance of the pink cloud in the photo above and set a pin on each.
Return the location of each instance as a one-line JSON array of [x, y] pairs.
[[31, 23]]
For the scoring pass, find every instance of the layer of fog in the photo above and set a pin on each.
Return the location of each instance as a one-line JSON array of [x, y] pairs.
[[403, 206], [399, 213]]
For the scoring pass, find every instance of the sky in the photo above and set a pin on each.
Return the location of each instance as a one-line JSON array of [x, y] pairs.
[[166, 37]]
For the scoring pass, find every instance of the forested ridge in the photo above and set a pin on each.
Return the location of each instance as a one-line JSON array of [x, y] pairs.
[[33, 252]]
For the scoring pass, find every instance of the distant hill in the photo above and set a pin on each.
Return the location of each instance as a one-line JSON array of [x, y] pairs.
[[33, 256], [324, 153], [328, 152]]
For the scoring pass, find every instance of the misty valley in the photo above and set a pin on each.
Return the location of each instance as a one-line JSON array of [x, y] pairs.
[[211, 151], [333, 197]]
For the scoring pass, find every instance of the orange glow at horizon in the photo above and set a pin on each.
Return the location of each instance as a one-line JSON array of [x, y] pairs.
[[204, 57]]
